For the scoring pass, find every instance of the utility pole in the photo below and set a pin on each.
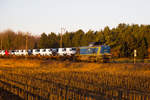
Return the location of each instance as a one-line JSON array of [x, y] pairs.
[[1, 44], [61, 34], [26, 43]]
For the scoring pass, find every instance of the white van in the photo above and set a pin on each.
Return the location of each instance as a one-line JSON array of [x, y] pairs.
[[2, 52], [12, 52], [70, 51], [24, 52], [17, 52], [20, 52], [42, 52], [36, 52], [45, 52], [48, 52], [62, 51]]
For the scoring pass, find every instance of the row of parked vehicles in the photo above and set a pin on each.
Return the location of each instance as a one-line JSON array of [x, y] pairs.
[[100, 53], [41, 52]]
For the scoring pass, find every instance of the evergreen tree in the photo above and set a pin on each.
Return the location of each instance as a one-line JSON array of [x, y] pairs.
[[77, 39], [123, 39], [53, 40], [43, 41]]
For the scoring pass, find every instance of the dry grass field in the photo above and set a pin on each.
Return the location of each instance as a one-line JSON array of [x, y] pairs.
[[49, 75], [40, 66]]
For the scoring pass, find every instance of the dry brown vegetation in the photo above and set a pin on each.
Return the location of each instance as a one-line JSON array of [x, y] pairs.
[[62, 76], [19, 63]]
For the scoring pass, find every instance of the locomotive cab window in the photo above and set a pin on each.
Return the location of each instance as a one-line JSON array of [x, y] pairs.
[[88, 51]]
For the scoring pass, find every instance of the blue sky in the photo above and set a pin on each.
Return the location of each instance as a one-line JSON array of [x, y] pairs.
[[38, 16]]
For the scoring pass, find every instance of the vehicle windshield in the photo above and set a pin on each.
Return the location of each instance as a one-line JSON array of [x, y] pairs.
[[37, 50], [55, 50], [74, 49], [43, 50], [88, 50], [64, 49]]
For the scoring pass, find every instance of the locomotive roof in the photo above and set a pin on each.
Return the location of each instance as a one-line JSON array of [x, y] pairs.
[[93, 46]]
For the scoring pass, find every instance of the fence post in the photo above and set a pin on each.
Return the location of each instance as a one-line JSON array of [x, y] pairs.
[[135, 56]]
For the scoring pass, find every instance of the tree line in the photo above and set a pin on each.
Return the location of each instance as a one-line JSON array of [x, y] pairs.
[[123, 39]]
